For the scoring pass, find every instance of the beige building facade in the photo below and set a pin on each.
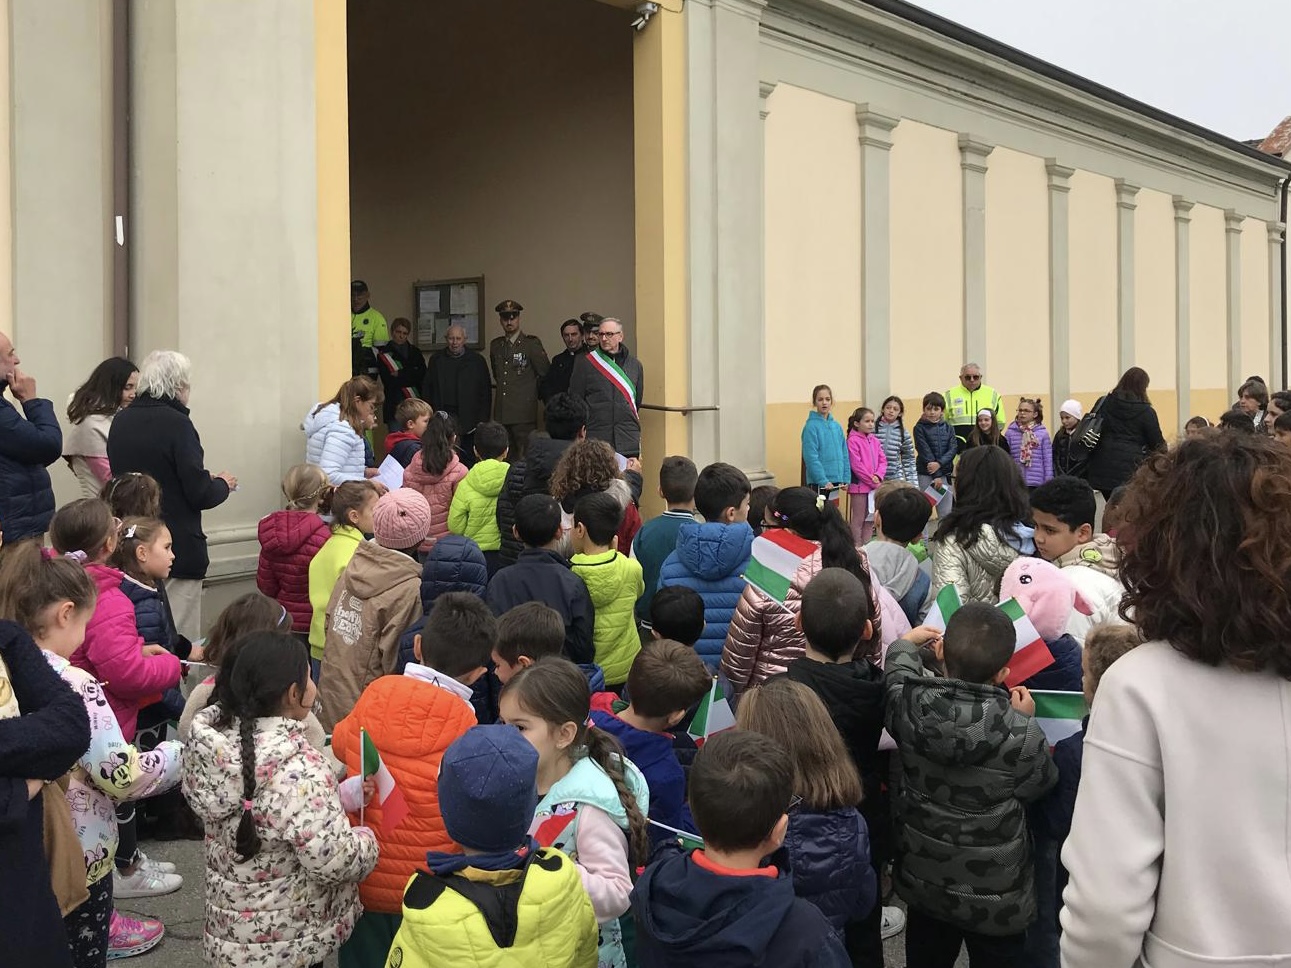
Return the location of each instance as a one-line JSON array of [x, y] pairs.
[[771, 193]]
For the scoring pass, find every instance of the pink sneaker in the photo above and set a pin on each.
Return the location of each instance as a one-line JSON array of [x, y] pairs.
[[128, 937]]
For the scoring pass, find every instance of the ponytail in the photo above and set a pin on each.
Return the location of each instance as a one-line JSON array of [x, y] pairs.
[[604, 750], [251, 687], [31, 580], [305, 487], [85, 527], [135, 533], [437, 443]]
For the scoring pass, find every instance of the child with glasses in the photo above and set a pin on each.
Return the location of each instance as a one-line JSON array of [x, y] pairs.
[[1030, 444]]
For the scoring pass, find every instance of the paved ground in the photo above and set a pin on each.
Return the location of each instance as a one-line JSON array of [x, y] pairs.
[[182, 914]]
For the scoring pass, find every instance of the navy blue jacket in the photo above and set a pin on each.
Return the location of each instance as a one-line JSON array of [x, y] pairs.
[[27, 447], [711, 558], [156, 437], [539, 575], [654, 756], [935, 442], [829, 856], [1051, 816], [151, 614], [43, 744], [455, 564], [689, 916], [1065, 674]]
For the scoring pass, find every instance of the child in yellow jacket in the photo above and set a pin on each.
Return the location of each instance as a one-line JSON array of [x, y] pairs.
[[474, 511], [352, 506], [613, 580]]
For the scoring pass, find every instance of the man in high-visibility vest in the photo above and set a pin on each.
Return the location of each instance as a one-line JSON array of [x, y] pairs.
[[368, 330], [964, 401]]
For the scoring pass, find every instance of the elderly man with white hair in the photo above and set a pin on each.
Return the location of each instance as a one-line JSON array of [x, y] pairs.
[[27, 447], [155, 436]]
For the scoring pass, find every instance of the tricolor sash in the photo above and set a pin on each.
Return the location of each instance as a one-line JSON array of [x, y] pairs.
[[614, 373]]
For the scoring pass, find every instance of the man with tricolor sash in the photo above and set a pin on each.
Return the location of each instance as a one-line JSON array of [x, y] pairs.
[[610, 380]]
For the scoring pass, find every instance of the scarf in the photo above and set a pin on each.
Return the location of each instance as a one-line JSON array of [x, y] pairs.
[[1029, 444]]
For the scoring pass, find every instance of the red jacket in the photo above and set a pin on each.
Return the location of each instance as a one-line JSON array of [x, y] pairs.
[[113, 653], [288, 542]]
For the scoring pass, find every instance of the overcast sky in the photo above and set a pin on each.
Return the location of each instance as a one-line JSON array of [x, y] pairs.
[[1225, 65]]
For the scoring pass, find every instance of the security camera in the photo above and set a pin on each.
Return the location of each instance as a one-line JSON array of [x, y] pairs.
[[644, 12]]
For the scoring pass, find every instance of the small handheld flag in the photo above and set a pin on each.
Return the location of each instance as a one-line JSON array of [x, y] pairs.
[[1059, 714], [394, 808], [712, 717], [777, 555], [1030, 653], [943, 607]]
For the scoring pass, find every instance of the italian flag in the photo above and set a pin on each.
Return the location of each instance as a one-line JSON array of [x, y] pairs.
[[394, 808], [1059, 714], [943, 607], [712, 717], [777, 555], [1030, 654], [935, 495]]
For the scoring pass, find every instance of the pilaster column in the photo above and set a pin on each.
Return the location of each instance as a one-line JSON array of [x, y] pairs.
[[875, 130], [1126, 203], [726, 233], [973, 155], [1182, 311], [1233, 293], [1059, 282], [765, 89], [1277, 351]]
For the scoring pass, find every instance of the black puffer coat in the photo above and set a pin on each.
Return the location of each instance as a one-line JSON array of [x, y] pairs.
[[27, 447], [528, 476], [1131, 431]]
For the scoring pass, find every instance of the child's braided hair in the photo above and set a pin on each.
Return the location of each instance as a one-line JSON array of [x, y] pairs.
[[555, 690], [251, 687]]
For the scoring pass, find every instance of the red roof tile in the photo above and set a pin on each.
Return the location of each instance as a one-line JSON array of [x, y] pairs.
[[1279, 141]]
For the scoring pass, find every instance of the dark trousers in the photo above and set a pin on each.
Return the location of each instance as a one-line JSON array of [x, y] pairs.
[[127, 836], [864, 939], [933, 943], [87, 926], [519, 435]]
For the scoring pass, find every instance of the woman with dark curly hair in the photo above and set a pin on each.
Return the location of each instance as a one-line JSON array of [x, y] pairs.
[[590, 467], [1178, 846], [111, 387]]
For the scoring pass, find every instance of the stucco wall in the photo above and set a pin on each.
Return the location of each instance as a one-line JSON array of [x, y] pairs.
[[1092, 253], [494, 138]]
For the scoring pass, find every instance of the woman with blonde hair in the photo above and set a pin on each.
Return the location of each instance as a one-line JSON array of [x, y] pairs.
[[827, 839], [335, 430]]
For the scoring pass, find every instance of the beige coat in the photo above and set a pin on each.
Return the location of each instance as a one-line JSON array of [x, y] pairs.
[[376, 600], [975, 572]]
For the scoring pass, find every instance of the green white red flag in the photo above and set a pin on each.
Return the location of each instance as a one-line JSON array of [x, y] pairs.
[[1030, 654], [1059, 714], [777, 555], [943, 607], [712, 717], [394, 808]]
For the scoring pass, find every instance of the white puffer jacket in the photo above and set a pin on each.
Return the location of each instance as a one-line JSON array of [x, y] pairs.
[[297, 899], [332, 444]]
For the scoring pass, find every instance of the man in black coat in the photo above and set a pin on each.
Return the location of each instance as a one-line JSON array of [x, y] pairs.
[[27, 447], [458, 382], [562, 364], [155, 436], [609, 380]]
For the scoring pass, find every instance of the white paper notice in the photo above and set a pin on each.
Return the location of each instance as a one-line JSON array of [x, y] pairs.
[[390, 473], [463, 299], [428, 301]]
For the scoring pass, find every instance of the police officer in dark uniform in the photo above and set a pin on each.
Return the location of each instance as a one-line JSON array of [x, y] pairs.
[[519, 365]]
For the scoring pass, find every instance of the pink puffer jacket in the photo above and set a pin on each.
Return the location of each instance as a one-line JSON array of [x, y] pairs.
[[762, 639], [438, 490]]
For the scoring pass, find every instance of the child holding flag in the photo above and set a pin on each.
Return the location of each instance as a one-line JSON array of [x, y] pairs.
[[971, 758], [594, 800], [398, 732], [282, 861]]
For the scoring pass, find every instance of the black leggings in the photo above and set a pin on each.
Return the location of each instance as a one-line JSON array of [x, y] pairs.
[[87, 926], [127, 836]]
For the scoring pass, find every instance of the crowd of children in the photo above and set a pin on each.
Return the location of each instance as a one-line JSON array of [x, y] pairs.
[[611, 745]]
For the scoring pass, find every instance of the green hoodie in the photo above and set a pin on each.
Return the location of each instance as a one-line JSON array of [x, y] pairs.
[[474, 511], [614, 583]]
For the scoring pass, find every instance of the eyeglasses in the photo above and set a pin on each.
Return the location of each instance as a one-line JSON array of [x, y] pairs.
[[972, 376], [605, 333]]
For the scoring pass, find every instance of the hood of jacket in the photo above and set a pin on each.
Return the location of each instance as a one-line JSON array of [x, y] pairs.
[[606, 579], [705, 919], [455, 564], [713, 551], [284, 533], [587, 783], [487, 477], [316, 420], [848, 689], [1101, 553], [375, 570], [948, 715], [416, 475], [643, 748], [216, 794], [104, 576], [541, 457], [814, 416], [893, 566]]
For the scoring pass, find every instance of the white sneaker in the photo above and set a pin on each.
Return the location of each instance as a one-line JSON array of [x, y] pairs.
[[893, 922], [145, 882], [162, 866]]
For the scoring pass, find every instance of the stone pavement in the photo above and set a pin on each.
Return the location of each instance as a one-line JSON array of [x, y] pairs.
[[182, 914]]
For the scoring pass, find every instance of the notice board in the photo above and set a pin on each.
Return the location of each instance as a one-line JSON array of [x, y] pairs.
[[437, 305]]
